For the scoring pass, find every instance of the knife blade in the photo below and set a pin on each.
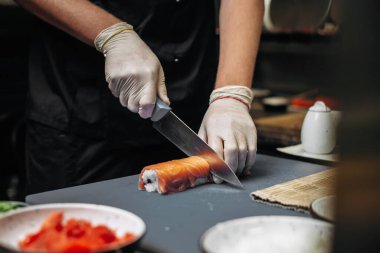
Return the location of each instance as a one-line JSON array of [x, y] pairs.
[[177, 132]]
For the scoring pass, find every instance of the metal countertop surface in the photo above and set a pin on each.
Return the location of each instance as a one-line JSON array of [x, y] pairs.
[[175, 222]]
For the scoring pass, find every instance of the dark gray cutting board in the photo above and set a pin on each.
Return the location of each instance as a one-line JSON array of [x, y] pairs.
[[175, 222]]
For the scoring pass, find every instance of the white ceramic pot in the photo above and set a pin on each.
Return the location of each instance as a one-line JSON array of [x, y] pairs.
[[289, 16], [318, 134]]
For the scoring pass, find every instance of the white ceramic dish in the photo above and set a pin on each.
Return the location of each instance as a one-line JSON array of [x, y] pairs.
[[323, 208], [297, 150], [318, 133], [275, 103], [16, 224], [269, 234]]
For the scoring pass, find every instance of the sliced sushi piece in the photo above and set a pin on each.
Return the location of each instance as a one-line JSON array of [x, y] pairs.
[[175, 175]]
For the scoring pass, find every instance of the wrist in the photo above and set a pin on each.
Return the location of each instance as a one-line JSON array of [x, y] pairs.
[[109, 33], [233, 98], [238, 93]]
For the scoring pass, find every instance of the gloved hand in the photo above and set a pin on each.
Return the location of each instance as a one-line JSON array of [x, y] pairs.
[[133, 72], [229, 129]]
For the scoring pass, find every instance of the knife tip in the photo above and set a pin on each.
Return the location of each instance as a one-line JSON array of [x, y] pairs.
[[237, 185], [240, 187]]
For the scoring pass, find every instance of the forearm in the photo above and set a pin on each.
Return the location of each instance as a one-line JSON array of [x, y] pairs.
[[80, 18], [240, 29]]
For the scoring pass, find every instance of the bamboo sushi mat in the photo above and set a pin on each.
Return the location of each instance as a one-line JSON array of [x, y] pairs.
[[298, 194]]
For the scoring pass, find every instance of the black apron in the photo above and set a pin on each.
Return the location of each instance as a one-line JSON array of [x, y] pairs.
[[78, 130]]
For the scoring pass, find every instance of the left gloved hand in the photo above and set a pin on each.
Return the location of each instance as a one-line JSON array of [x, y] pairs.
[[229, 129]]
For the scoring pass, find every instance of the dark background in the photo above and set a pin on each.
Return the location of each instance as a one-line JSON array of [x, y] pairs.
[[15, 26]]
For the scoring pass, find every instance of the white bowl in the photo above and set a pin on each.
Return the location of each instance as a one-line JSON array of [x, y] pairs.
[[275, 103], [324, 208], [14, 226], [269, 234]]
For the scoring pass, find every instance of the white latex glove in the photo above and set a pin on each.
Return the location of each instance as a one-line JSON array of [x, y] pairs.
[[229, 129], [133, 72]]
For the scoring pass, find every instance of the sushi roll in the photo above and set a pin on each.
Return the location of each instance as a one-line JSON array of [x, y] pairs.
[[175, 175]]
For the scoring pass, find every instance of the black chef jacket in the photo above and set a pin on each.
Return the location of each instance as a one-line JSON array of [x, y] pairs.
[[69, 96]]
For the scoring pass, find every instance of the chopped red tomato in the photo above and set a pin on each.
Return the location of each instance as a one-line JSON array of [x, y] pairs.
[[76, 236]]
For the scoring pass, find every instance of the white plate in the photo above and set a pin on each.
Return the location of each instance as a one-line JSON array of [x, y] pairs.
[[269, 234], [15, 225], [297, 150], [323, 208]]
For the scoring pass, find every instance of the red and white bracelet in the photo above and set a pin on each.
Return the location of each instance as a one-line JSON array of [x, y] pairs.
[[239, 93]]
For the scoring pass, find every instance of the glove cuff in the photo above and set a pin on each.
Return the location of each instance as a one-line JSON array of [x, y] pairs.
[[108, 33], [240, 93]]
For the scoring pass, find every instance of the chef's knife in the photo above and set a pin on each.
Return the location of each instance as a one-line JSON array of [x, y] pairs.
[[176, 131]]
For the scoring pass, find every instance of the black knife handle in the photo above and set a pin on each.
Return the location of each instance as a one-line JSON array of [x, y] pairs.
[[160, 110]]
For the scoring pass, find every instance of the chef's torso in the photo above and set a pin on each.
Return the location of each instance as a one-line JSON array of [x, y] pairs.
[[67, 85]]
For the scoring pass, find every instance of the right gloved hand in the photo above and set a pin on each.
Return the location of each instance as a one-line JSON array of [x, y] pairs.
[[133, 72]]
